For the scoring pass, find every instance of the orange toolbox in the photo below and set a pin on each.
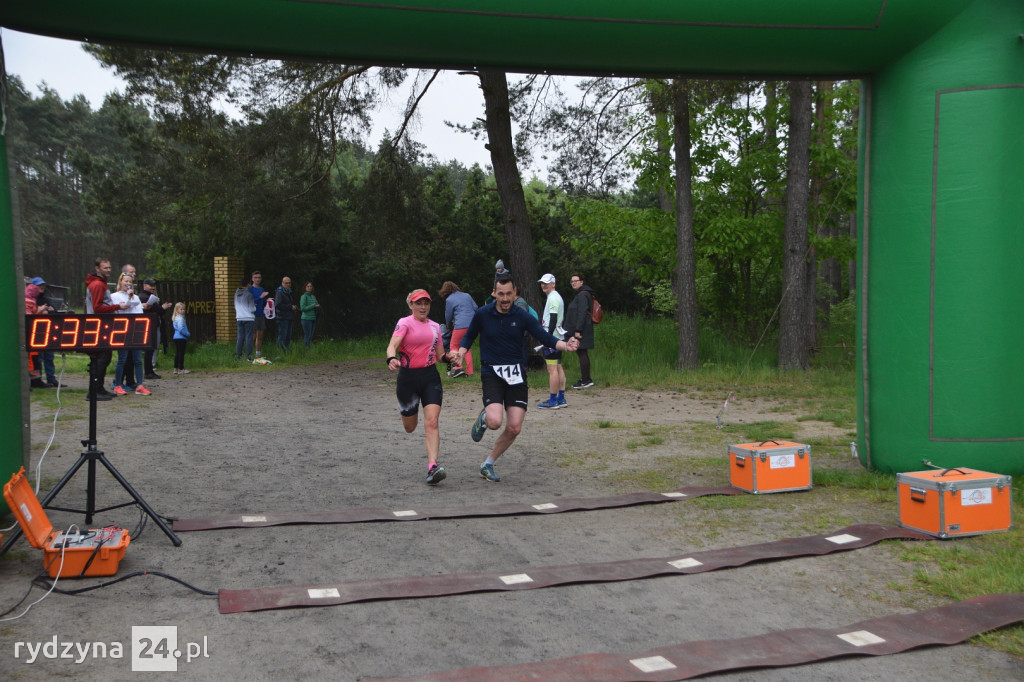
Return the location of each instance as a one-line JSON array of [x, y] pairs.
[[770, 467], [953, 502], [86, 553]]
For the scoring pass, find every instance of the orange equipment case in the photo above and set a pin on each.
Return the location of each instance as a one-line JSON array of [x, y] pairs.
[[770, 467], [92, 553], [953, 502]]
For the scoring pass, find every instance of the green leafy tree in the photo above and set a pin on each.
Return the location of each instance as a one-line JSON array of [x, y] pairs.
[[47, 140]]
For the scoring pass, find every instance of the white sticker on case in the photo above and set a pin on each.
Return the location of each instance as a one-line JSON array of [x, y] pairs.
[[970, 498]]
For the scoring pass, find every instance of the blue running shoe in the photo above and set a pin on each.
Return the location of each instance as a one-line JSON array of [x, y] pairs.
[[548, 404], [487, 471], [436, 474], [561, 403], [479, 426]]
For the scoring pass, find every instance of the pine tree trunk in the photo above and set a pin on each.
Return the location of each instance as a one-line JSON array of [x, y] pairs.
[[510, 186], [794, 347], [686, 271]]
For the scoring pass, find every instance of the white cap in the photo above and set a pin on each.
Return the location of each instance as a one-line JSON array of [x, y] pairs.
[[547, 279]]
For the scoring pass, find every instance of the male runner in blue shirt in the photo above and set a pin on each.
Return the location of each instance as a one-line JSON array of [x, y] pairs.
[[501, 326]]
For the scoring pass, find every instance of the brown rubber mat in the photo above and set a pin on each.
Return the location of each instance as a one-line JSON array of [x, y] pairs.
[[368, 514], [852, 537], [945, 625]]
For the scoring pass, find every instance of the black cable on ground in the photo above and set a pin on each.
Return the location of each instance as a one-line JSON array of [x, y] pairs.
[[22, 600], [42, 582]]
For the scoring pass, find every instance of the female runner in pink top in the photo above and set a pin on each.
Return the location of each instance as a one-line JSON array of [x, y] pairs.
[[414, 350]]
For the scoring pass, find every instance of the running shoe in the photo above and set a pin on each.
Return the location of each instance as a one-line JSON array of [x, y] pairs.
[[119, 391], [487, 471], [142, 390], [583, 384], [457, 373], [436, 474], [479, 426], [549, 404], [561, 403]]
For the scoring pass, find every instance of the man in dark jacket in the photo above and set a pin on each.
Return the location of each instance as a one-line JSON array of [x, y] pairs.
[[500, 326], [285, 310], [578, 325], [155, 309]]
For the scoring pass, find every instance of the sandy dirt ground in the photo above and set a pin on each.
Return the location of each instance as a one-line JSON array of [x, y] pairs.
[[329, 437]]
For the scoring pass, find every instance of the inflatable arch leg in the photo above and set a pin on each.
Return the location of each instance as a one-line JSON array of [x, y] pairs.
[[941, 372]]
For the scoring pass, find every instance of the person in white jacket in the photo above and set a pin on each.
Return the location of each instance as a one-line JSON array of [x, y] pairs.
[[245, 319], [125, 295]]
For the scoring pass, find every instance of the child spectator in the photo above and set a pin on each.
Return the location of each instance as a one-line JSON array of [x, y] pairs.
[[181, 335]]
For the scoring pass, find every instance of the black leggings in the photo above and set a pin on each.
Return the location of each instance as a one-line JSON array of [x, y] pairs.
[[584, 365], [179, 353]]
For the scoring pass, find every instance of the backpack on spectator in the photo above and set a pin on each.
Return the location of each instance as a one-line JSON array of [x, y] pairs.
[[596, 312]]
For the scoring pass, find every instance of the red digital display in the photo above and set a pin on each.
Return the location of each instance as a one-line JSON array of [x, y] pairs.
[[89, 332]]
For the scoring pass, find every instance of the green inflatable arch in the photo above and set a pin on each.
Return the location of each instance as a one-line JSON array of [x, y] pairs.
[[941, 284]]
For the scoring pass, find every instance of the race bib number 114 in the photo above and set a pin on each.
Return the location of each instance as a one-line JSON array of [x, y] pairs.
[[510, 373]]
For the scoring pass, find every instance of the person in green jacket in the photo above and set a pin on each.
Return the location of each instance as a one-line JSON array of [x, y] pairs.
[[308, 306]]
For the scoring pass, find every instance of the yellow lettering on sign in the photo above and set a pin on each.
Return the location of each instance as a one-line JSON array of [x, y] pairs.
[[200, 307]]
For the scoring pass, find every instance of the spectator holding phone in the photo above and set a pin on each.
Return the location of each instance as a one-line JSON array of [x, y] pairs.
[[125, 294]]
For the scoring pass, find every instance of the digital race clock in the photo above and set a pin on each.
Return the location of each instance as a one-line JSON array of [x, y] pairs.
[[84, 333]]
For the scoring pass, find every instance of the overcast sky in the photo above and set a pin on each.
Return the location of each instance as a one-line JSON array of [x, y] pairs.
[[66, 68]]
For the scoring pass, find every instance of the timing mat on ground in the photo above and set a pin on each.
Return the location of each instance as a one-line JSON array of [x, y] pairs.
[[416, 587], [371, 514], [945, 625]]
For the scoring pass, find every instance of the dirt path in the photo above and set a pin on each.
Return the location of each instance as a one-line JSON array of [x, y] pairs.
[[329, 437]]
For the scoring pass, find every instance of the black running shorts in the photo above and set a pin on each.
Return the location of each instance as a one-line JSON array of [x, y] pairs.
[[415, 386], [497, 391]]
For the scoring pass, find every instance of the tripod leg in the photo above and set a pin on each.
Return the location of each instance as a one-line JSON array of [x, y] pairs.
[[138, 498], [17, 532], [90, 490]]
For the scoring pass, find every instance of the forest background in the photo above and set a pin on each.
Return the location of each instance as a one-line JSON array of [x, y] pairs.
[[727, 205]]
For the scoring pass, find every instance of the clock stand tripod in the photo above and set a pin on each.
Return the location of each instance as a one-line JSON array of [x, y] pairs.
[[90, 456]]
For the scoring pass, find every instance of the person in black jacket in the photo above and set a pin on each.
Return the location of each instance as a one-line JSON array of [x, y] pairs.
[[285, 310], [152, 306], [578, 325]]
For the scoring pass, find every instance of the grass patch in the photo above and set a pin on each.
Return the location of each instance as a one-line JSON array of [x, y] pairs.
[[765, 432], [973, 566], [221, 356]]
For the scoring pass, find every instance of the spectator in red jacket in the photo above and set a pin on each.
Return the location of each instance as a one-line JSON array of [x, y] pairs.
[[32, 308], [97, 300]]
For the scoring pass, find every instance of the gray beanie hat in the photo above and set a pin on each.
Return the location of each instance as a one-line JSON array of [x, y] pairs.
[[500, 265]]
